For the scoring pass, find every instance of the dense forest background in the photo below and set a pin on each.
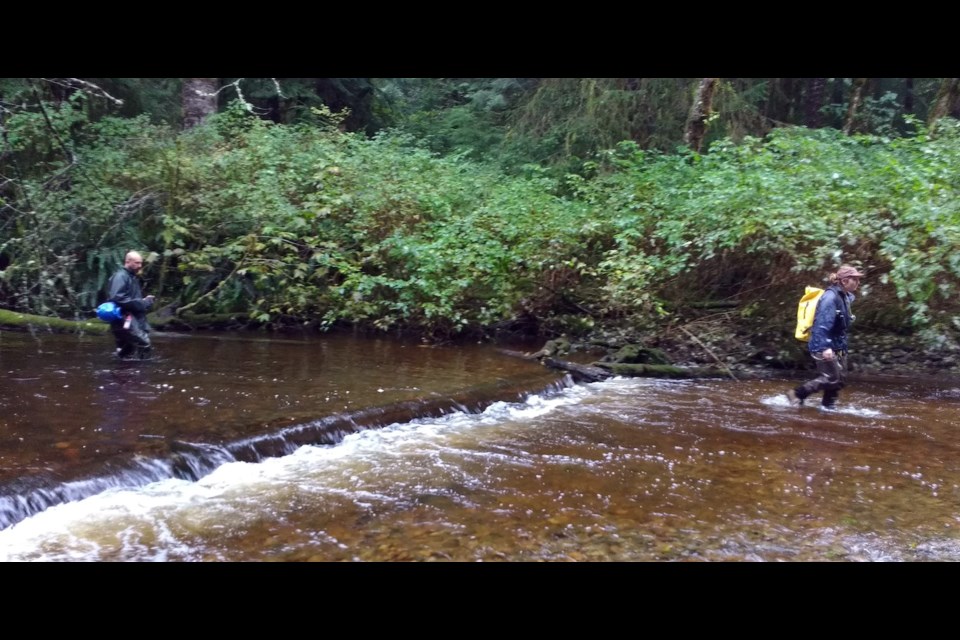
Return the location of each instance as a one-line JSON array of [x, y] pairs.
[[456, 207]]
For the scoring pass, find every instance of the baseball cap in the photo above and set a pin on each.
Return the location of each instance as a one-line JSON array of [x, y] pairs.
[[846, 271]]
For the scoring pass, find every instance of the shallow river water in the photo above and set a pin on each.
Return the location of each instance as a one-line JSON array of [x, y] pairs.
[[338, 448]]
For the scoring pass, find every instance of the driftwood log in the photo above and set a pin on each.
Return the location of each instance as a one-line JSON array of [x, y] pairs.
[[602, 370], [661, 371], [557, 347], [580, 372], [629, 361]]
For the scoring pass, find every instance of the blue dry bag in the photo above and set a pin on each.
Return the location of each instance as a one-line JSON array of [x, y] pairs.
[[109, 311]]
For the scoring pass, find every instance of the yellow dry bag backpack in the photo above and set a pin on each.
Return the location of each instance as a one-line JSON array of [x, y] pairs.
[[806, 311]]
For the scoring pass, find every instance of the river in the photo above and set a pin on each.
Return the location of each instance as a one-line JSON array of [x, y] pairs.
[[252, 447]]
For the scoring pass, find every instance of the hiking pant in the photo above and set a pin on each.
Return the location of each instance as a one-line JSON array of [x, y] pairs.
[[832, 376], [133, 342]]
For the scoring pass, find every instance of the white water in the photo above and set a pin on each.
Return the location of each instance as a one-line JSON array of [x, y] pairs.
[[627, 469], [143, 523]]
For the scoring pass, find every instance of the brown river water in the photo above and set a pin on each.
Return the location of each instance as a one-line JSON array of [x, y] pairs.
[[248, 447]]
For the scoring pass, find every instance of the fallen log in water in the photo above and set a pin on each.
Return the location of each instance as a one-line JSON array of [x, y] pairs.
[[661, 371], [629, 362], [581, 372], [29, 322], [603, 370]]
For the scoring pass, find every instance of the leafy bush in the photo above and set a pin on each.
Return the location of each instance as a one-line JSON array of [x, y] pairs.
[[307, 224]]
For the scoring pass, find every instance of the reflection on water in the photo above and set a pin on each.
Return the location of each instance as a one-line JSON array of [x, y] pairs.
[[623, 470]]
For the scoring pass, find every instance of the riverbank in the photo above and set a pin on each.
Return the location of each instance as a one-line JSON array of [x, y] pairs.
[[745, 350], [750, 351]]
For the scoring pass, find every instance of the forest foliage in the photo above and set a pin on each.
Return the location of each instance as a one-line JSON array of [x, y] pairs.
[[574, 208]]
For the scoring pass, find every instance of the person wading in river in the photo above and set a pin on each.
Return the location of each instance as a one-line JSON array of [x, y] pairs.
[[131, 333], [828, 339]]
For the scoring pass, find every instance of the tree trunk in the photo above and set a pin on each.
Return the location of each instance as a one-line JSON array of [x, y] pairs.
[[856, 97], [946, 103], [908, 96], [836, 86], [199, 98], [790, 99], [814, 101], [699, 112]]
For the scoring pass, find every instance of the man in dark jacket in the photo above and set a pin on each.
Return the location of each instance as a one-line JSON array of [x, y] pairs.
[[828, 339], [132, 333]]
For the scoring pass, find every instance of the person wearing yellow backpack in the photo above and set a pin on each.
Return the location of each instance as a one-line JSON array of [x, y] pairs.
[[828, 339]]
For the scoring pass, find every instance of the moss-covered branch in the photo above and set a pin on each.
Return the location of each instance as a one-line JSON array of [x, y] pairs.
[[23, 321]]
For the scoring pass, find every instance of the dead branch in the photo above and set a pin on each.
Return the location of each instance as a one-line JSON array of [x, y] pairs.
[[212, 291], [708, 350]]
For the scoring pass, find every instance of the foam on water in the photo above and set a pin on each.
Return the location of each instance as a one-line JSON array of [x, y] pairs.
[[459, 456], [813, 404], [139, 523]]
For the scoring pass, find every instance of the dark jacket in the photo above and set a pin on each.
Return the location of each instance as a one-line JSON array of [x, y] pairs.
[[832, 320], [125, 291]]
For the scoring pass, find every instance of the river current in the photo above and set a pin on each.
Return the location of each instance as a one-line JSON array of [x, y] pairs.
[[236, 447]]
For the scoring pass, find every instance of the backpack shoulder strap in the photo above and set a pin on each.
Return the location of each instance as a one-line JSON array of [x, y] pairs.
[[845, 301]]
